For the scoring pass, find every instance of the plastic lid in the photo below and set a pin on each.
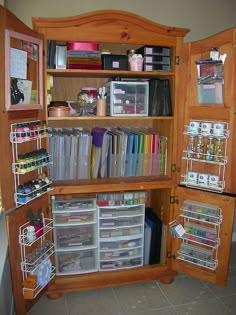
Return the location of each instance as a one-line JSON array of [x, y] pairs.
[[86, 88]]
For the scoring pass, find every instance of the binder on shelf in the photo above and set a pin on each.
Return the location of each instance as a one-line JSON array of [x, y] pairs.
[[147, 243], [74, 156], [155, 154], [163, 155], [159, 98], [84, 154], [51, 52], [155, 225], [139, 171], [113, 155], [129, 154], [104, 156], [97, 140]]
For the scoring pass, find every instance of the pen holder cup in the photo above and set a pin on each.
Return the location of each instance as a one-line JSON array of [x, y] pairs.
[[101, 107]]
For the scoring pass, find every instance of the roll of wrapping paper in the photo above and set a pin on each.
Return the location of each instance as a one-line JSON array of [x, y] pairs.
[[163, 155]]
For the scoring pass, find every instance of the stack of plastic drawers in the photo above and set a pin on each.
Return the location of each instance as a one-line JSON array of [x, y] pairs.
[[127, 98], [121, 236], [75, 235]]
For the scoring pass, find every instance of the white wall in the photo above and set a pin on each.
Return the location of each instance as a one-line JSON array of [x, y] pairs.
[[204, 18]]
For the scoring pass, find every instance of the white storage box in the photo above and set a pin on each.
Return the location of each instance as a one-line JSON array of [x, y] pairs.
[[125, 98]]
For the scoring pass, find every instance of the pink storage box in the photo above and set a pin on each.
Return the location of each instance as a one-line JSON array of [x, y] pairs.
[[85, 46]]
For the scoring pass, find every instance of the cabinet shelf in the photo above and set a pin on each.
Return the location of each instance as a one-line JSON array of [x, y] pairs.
[[106, 73], [110, 185], [109, 118]]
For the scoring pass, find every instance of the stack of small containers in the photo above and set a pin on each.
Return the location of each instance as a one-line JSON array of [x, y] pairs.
[[83, 55], [155, 58]]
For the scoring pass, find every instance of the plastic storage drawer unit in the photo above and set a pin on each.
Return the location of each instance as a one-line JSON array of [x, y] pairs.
[[127, 98]]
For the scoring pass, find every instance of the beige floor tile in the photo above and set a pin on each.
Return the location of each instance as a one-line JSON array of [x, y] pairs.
[[140, 297], [232, 260], [229, 290], [206, 307], [163, 311], [47, 306], [230, 302], [96, 302], [185, 290]]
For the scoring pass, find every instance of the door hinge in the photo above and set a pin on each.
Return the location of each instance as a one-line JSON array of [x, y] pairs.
[[175, 168], [169, 255], [174, 200], [179, 60]]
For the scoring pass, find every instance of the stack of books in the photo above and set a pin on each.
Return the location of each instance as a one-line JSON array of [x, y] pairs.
[[82, 55]]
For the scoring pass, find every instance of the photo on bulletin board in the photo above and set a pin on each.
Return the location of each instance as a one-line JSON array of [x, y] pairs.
[[23, 72]]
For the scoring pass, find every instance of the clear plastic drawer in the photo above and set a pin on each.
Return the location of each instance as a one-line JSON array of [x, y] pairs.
[[75, 237], [76, 262]]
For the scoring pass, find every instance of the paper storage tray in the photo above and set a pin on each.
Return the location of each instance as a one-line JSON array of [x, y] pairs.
[[154, 50], [73, 205], [119, 233], [127, 98], [74, 218], [74, 237], [76, 262], [202, 211], [108, 212], [120, 264]]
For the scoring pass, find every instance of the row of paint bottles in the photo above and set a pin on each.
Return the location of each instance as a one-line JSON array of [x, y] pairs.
[[209, 151]]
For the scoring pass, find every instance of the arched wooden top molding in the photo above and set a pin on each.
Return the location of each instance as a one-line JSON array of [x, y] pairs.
[[108, 26]]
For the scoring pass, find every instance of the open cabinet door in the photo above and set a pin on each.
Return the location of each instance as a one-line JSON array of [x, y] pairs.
[[203, 251], [29, 257], [23, 176]]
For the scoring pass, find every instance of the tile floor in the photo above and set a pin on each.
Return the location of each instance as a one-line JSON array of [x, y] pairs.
[[185, 296]]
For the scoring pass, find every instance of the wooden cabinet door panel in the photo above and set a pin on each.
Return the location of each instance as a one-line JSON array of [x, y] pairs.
[[14, 221], [226, 203]]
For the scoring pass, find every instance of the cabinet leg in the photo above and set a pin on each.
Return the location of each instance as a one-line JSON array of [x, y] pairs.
[[54, 296], [167, 280]]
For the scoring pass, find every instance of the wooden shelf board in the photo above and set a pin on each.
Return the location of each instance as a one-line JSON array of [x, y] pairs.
[[110, 184], [143, 118], [107, 73]]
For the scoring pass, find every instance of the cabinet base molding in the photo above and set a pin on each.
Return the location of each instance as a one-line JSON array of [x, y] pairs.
[[96, 280], [54, 296]]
